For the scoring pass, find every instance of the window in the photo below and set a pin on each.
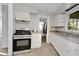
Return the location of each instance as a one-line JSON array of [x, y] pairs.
[[73, 23]]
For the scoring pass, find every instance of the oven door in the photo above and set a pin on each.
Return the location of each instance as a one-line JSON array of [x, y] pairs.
[[21, 44]]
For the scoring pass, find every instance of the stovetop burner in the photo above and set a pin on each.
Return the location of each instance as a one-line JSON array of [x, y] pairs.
[[23, 32]]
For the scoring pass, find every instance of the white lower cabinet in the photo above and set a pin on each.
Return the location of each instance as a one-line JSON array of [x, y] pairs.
[[76, 51], [36, 40], [63, 46]]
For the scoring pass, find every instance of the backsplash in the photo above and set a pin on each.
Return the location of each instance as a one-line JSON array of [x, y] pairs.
[[20, 26]]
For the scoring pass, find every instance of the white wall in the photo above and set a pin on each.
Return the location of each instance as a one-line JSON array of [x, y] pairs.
[[34, 22], [10, 28], [0, 19], [0, 25], [4, 25]]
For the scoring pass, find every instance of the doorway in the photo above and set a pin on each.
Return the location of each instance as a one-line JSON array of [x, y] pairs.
[[43, 28]]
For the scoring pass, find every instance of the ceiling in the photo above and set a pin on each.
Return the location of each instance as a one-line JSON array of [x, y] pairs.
[[46, 7]]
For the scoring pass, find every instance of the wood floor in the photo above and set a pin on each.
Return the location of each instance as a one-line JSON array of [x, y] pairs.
[[45, 50]]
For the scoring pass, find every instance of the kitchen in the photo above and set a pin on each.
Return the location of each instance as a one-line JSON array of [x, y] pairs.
[[22, 29], [24, 32], [29, 23]]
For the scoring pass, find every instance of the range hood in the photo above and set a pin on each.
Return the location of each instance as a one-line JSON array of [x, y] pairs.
[[21, 20]]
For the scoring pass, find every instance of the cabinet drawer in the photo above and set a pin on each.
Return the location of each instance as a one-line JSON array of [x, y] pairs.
[[76, 52]]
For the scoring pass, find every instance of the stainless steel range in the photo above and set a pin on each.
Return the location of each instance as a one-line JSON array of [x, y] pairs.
[[22, 40]]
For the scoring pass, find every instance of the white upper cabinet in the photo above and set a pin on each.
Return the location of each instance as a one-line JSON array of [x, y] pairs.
[[60, 20], [22, 15]]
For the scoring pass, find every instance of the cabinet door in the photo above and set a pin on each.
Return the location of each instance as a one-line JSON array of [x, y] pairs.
[[60, 44], [36, 41], [74, 48], [65, 47], [70, 49], [76, 51], [60, 20], [51, 37], [22, 15]]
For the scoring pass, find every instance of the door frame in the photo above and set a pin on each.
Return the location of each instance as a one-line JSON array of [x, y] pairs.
[[47, 25]]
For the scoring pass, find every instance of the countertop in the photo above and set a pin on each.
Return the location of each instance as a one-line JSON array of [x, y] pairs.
[[76, 40], [36, 33], [67, 31]]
